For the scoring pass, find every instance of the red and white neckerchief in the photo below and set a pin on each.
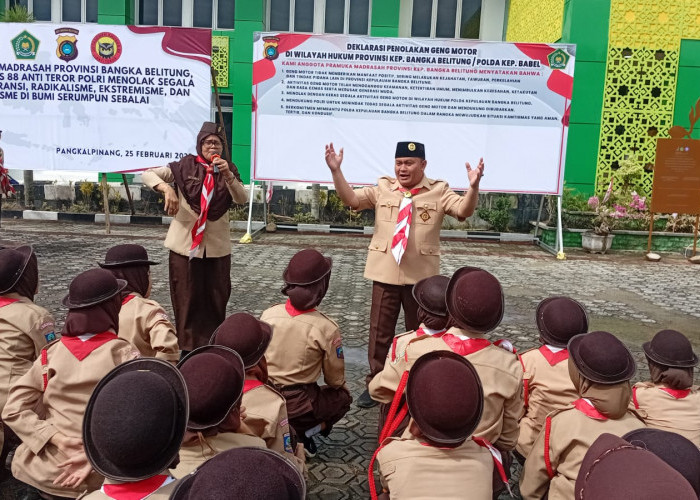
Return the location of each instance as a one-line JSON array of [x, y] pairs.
[[676, 393], [128, 298], [463, 345], [5, 184], [293, 311], [506, 344], [586, 407], [81, 346], [403, 223], [497, 460], [423, 330], [204, 201], [249, 385], [6, 301], [136, 490], [554, 355]]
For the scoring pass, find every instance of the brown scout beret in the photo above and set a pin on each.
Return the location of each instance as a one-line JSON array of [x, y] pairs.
[[560, 318], [13, 262], [307, 267], [601, 357], [126, 255], [92, 287], [475, 299], [246, 335], [671, 348], [135, 420], [430, 294]]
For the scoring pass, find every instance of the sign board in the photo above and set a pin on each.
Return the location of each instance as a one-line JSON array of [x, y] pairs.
[[92, 97], [464, 99], [676, 187]]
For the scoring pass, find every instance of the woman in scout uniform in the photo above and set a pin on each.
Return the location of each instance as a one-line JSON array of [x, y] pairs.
[[142, 321], [546, 382], [265, 408], [131, 440], [61, 381], [25, 328], [670, 401], [214, 378], [436, 457], [600, 366], [307, 342], [205, 186]]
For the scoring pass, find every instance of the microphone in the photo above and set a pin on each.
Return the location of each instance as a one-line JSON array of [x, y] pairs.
[[213, 158]]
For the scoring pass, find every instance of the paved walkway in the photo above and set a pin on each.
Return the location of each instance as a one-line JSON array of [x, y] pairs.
[[623, 293]]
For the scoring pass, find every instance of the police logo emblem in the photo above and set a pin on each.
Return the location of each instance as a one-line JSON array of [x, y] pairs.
[[270, 47], [66, 49]]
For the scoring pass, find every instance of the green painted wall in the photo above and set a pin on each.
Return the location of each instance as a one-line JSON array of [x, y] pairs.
[[688, 86], [586, 25]]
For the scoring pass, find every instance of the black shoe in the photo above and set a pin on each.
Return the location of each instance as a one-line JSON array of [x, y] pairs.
[[366, 401], [310, 448]]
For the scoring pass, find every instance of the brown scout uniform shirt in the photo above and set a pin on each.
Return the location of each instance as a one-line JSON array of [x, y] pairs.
[[144, 323], [162, 493], [302, 346], [70, 384], [501, 378], [410, 468], [266, 416], [422, 256], [547, 387], [217, 240], [25, 328], [572, 433], [676, 411], [195, 454]]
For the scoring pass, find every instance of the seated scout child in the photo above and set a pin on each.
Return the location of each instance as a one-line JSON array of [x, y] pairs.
[[46, 405], [305, 343], [669, 401], [214, 378], [243, 473], [133, 440], [436, 457], [265, 408], [600, 366], [613, 469], [25, 328], [142, 321], [546, 382]]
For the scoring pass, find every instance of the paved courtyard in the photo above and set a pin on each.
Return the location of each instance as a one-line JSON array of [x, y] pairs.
[[623, 294]]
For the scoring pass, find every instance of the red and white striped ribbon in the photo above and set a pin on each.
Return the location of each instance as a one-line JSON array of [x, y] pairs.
[[205, 200], [403, 223], [497, 460]]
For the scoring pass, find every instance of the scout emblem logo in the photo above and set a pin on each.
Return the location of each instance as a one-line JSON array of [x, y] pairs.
[[25, 45], [425, 216], [106, 47], [270, 47], [558, 59], [339, 352], [66, 49], [50, 337], [411, 146]]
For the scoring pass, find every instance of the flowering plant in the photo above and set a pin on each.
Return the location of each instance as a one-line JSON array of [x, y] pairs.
[[615, 207]]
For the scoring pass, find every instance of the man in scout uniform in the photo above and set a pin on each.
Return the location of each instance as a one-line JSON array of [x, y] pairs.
[[614, 469], [132, 440], [142, 321], [46, 405], [214, 378], [405, 247], [546, 382], [669, 401], [600, 366], [245, 473], [436, 456], [265, 408], [25, 328], [307, 342]]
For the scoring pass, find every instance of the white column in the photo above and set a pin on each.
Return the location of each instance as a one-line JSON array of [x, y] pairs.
[[493, 16]]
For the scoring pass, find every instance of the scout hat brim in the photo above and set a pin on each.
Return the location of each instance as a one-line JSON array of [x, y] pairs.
[[26, 252], [99, 459], [252, 358], [550, 337], [421, 292], [589, 345], [121, 285]]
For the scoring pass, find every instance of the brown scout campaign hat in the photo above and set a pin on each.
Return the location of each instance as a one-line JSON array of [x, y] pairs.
[[13, 262], [677, 451], [613, 469], [92, 287], [243, 473], [214, 378], [430, 294], [135, 420], [307, 267], [246, 335], [560, 318], [445, 397], [671, 348], [475, 299], [409, 149], [601, 357], [126, 255]]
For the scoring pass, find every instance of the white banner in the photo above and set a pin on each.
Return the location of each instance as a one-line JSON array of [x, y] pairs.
[[92, 97], [464, 99]]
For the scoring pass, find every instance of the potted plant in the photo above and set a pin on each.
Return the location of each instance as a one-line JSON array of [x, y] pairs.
[[599, 238]]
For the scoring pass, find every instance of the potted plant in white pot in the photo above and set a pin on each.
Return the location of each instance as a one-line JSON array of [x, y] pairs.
[[599, 238]]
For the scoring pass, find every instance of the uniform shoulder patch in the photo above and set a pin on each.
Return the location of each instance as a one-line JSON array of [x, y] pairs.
[[50, 337], [339, 352], [287, 443]]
